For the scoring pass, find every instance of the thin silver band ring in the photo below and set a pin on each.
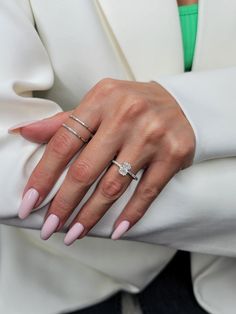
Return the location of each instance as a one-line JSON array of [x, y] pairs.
[[82, 123], [75, 133], [124, 169]]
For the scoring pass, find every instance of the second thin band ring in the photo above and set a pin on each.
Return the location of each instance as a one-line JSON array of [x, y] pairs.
[[75, 118], [71, 130]]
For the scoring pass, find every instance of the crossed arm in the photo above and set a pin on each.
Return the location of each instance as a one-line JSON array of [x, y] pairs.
[[195, 211]]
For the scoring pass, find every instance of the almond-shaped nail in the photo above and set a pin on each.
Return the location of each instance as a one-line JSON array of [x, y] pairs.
[[120, 230], [28, 202], [73, 233], [49, 226], [16, 128]]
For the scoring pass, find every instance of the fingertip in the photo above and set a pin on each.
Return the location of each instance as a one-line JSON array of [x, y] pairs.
[[15, 129], [28, 203], [43, 131], [120, 230], [73, 234], [35, 134], [49, 227]]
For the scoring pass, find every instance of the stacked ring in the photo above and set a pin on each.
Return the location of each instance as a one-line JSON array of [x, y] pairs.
[[72, 116], [75, 133]]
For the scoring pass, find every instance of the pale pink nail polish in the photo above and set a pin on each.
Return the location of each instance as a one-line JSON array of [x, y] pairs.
[[27, 204], [17, 127], [73, 233], [49, 226], [120, 230]]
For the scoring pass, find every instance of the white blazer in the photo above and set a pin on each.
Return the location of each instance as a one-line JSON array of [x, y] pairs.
[[51, 54]]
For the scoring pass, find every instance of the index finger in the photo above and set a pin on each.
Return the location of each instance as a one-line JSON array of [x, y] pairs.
[[59, 151]]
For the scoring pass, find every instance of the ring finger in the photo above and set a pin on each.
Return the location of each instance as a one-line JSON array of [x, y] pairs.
[[111, 186]]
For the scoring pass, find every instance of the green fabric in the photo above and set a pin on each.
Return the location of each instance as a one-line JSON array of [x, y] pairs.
[[188, 20]]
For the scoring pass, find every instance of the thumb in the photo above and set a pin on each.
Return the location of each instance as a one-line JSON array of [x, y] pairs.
[[41, 131]]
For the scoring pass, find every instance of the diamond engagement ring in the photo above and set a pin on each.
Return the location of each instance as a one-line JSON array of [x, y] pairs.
[[125, 168]]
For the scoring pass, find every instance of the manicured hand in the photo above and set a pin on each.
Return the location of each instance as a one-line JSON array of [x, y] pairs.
[[140, 123]]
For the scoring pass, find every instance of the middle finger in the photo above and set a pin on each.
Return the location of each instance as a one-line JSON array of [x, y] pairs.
[[82, 173]]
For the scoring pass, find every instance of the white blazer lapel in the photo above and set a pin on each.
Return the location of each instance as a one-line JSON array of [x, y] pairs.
[[216, 42], [148, 35]]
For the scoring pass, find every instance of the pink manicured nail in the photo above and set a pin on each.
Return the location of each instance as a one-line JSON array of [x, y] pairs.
[[73, 233], [17, 127], [27, 204], [120, 230], [49, 226]]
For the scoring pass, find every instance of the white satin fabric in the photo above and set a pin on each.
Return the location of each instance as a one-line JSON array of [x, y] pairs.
[[51, 54]]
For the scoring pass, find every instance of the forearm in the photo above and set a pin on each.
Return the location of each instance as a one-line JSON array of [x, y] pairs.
[[195, 212]]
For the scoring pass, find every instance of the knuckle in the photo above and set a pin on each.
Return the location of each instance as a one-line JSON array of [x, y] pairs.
[[148, 193], [111, 189], [135, 108], [60, 144], [39, 177], [179, 149], [189, 153], [106, 85], [61, 204], [81, 173], [155, 130], [89, 219], [139, 213], [135, 215]]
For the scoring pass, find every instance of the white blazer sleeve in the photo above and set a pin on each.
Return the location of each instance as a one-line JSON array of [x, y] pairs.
[[208, 100], [197, 209], [24, 68]]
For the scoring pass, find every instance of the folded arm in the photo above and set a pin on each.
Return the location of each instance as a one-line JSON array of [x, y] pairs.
[[208, 99], [196, 210]]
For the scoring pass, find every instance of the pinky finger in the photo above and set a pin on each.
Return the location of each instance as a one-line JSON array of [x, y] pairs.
[[153, 180]]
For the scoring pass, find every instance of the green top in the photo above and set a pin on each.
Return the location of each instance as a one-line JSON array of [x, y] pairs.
[[188, 20]]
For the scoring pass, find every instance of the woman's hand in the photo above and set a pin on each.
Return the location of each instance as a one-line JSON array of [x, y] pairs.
[[140, 123]]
